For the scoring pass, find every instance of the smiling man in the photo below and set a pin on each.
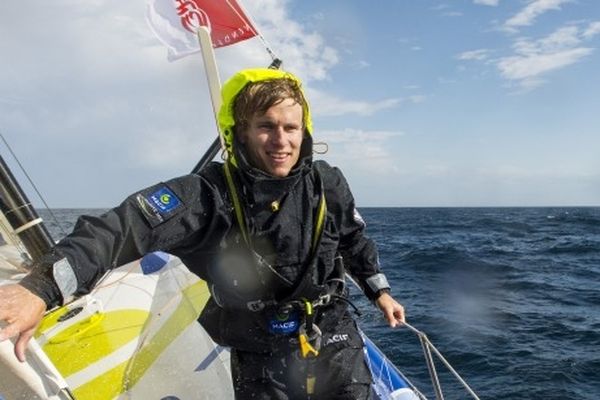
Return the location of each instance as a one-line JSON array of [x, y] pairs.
[[272, 232], [271, 137]]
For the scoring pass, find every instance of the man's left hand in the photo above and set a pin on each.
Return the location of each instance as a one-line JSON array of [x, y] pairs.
[[392, 310]]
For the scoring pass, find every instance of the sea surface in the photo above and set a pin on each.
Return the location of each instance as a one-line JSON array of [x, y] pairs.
[[510, 296]]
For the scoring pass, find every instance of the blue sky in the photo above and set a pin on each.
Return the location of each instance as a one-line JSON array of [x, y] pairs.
[[422, 103]]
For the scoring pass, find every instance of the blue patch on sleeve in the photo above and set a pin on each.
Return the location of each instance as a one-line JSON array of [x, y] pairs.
[[164, 200]]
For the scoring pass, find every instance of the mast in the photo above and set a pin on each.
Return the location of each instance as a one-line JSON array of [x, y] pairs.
[[21, 215]]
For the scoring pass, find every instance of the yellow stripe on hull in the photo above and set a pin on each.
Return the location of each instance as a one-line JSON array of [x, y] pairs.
[[90, 340], [104, 333], [106, 386], [197, 294]]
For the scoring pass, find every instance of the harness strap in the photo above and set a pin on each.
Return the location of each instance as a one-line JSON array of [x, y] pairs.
[[309, 334], [237, 206], [320, 223]]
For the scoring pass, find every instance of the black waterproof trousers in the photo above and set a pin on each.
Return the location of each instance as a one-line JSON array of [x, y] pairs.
[[340, 369]]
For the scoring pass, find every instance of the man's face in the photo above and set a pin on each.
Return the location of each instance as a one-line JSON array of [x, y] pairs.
[[273, 140]]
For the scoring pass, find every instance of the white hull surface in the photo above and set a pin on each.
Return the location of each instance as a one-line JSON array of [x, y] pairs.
[[135, 336]]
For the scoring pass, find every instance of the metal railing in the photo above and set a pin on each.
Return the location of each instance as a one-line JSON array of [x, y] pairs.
[[428, 349]]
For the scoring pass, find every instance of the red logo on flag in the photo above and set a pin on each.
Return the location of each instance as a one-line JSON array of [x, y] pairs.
[[224, 19], [192, 16]]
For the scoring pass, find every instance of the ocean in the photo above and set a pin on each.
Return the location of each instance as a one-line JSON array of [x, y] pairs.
[[510, 296]]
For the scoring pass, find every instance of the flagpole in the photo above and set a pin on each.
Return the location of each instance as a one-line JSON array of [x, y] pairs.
[[214, 87], [212, 73]]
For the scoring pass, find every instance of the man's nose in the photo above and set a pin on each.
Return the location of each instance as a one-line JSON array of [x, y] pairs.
[[278, 135]]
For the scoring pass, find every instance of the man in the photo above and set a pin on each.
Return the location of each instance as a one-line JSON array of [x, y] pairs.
[[272, 233]]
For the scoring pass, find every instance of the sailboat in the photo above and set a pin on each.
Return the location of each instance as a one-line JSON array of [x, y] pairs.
[[136, 335]]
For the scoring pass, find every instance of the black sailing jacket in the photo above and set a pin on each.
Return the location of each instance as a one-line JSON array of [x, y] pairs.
[[199, 222]]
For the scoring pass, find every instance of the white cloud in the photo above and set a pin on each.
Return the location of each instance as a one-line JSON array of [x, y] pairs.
[[350, 135], [324, 104], [303, 52], [531, 65], [492, 3], [360, 151], [446, 10], [479, 55], [532, 59], [534, 9], [174, 145], [440, 7], [592, 30], [362, 64], [418, 98], [564, 37], [453, 14]]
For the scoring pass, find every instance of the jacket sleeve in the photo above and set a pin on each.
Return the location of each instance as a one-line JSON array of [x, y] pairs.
[[358, 251], [162, 217]]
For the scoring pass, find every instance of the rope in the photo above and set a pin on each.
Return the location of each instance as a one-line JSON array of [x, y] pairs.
[[33, 185], [252, 26], [10, 235]]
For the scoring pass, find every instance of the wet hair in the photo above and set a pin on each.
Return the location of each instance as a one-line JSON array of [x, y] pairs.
[[257, 97]]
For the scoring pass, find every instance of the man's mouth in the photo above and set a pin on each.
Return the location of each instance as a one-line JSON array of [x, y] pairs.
[[278, 156]]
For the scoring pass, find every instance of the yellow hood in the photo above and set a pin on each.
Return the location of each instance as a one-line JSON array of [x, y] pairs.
[[233, 86]]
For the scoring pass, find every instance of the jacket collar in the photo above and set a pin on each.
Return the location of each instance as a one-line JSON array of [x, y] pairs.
[[260, 187]]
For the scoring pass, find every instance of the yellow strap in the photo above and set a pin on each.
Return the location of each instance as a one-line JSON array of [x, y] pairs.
[[320, 220], [236, 203], [308, 307], [321, 212], [310, 384]]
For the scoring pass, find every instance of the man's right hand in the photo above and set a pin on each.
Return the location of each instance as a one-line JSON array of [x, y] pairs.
[[22, 311]]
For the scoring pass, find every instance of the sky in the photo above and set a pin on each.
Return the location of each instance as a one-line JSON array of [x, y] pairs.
[[428, 103]]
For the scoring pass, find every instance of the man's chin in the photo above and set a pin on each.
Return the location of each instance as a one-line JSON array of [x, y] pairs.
[[279, 172]]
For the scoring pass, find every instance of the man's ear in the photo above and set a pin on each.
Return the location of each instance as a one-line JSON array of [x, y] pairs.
[[240, 136]]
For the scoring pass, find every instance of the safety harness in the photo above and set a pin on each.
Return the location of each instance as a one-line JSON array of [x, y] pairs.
[[309, 334]]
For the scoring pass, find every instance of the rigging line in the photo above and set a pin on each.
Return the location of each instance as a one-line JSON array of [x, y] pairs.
[[8, 230], [33, 185], [427, 343], [253, 27]]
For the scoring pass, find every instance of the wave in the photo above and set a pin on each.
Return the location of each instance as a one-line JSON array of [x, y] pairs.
[[574, 246], [584, 217], [510, 226]]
